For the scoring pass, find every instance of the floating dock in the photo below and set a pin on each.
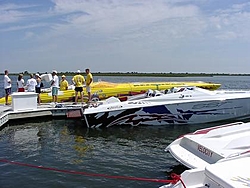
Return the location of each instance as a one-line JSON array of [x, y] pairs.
[[59, 110]]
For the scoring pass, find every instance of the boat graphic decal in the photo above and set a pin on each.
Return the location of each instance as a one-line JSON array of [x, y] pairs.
[[156, 109], [135, 119], [189, 113], [214, 104], [150, 115]]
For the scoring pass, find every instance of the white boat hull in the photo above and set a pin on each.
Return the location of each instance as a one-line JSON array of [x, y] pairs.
[[211, 145], [219, 156], [151, 113], [187, 106], [228, 174]]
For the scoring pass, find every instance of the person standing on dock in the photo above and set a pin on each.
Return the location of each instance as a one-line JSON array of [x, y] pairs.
[[55, 86], [38, 87], [89, 80], [64, 84], [31, 83], [20, 83], [7, 86], [78, 80]]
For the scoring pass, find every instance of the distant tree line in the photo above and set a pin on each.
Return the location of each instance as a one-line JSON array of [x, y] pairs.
[[169, 74]]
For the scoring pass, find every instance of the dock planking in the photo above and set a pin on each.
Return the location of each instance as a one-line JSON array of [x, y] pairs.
[[60, 110]]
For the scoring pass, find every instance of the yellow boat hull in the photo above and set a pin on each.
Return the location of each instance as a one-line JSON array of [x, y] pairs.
[[108, 89]]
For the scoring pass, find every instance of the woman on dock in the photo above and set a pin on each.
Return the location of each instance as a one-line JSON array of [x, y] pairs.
[[20, 83]]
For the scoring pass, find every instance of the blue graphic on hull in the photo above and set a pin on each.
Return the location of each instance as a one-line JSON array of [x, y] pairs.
[[156, 110], [154, 115]]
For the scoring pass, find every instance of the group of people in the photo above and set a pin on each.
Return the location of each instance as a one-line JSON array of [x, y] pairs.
[[34, 84], [79, 81]]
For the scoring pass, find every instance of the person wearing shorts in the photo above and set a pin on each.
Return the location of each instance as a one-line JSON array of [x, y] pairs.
[[89, 80], [78, 80], [7, 86], [38, 88], [55, 86]]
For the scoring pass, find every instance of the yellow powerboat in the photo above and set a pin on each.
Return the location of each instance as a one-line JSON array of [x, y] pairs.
[[103, 90]]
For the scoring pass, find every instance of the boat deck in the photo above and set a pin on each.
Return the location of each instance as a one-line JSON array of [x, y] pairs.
[[61, 110]]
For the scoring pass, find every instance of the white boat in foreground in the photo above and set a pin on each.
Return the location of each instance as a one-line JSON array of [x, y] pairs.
[[211, 145], [233, 173], [187, 105]]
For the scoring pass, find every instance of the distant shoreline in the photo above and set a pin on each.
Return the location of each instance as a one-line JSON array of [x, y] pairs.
[[145, 74], [168, 74]]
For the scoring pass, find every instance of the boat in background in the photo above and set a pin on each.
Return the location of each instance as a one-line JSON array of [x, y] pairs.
[[211, 145], [232, 173], [102, 90], [190, 105]]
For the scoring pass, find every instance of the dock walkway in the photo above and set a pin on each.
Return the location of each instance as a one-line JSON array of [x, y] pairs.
[[62, 110]]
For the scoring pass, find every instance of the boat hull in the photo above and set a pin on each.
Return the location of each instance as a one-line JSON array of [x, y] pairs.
[[211, 145], [228, 174], [135, 113], [103, 90]]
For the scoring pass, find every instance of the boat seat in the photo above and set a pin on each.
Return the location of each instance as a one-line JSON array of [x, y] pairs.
[[157, 93], [150, 93]]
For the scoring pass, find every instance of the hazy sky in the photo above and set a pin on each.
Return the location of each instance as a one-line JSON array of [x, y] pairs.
[[210, 36]]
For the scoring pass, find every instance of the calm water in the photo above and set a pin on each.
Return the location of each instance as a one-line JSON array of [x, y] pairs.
[[117, 151]]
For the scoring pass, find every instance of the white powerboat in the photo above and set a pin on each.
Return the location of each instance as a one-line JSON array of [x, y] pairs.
[[186, 105], [211, 145], [233, 173], [218, 155]]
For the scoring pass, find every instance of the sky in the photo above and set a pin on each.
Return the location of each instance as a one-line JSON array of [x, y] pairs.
[[160, 36]]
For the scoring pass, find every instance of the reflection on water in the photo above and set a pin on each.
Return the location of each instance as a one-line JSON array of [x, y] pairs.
[[68, 145], [64, 144]]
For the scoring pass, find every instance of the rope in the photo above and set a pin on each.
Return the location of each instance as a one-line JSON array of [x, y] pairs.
[[175, 177]]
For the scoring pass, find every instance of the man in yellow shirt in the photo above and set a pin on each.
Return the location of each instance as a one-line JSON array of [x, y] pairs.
[[64, 83], [78, 81], [89, 80]]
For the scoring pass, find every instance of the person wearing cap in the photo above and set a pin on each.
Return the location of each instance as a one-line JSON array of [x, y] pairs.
[[31, 84], [7, 86], [20, 83], [78, 80], [89, 80], [38, 87], [64, 83], [54, 85]]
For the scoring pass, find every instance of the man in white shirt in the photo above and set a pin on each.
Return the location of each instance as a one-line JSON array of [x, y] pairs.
[[31, 84], [7, 86], [54, 85]]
